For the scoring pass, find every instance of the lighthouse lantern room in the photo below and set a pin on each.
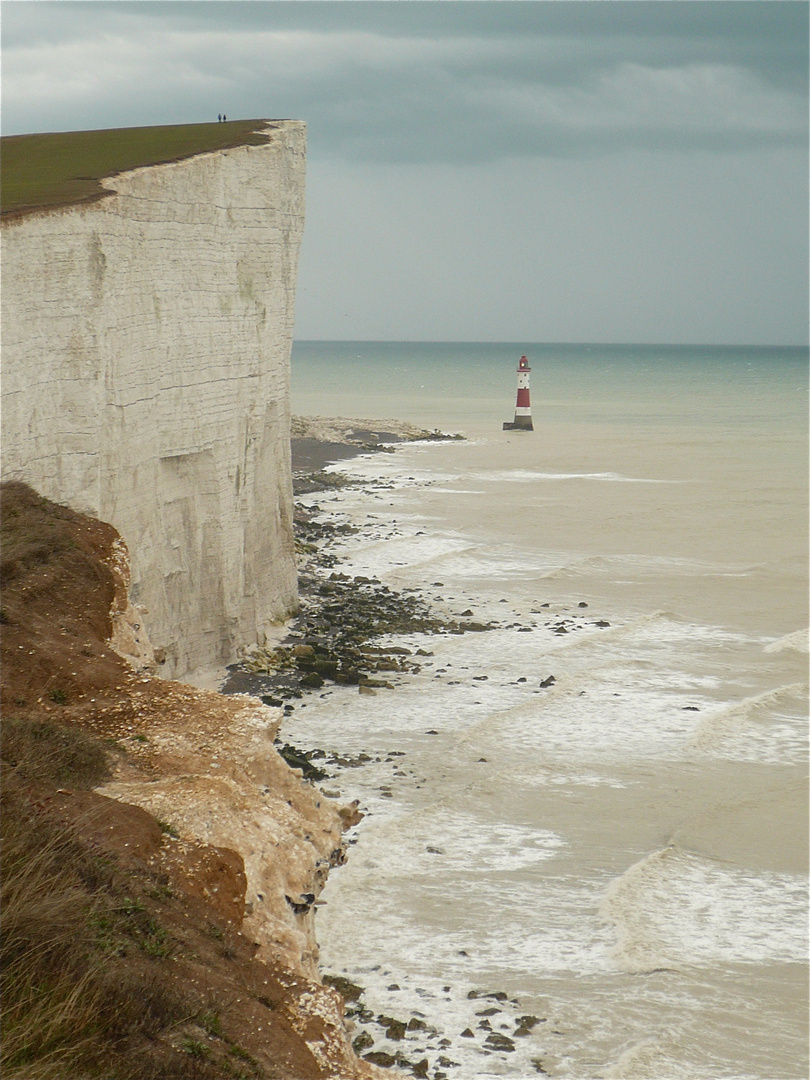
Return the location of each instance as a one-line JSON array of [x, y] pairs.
[[523, 409]]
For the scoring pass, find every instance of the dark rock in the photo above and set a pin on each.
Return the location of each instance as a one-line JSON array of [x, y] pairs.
[[601, 622], [361, 1013], [524, 1025], [312, 680], [467, 1033], [415, 1024], [302, 650], [379, 1057], [303, 904], [319, 665], [300, 759], [348, 990], [529, 1021], [396, 1030], [582, 604], [362, 1042], [500, 1042], [548, 682]]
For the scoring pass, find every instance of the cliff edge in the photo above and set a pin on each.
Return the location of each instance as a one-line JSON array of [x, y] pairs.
[[145, 381]]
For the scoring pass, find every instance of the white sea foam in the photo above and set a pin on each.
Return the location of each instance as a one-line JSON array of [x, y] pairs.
[[770, 726], [799, 641], [432, 912], [377, 557], [623, 690], [660, 1057], [460, 841], [674, 908], [523, 476]]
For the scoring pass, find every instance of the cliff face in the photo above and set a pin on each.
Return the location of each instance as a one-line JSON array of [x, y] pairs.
[[146, 341]]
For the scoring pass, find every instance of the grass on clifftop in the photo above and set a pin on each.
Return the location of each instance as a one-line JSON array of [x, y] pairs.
[[59, 168]]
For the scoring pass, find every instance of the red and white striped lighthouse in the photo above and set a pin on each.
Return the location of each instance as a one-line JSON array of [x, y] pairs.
[[523, 409]]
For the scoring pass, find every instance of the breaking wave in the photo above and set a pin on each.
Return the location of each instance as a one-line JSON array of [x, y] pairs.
[[799, 640], [523, 476], [723, 721], [674, 908]]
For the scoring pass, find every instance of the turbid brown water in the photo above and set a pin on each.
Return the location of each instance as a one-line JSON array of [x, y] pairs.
[[623, 851]]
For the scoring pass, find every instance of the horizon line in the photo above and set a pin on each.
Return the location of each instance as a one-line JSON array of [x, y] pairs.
[[583, 344]]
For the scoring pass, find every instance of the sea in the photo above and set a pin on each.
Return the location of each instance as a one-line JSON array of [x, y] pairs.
[[585, 846]]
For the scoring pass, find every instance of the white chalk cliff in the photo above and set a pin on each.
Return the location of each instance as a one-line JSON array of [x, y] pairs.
[[145, 380]]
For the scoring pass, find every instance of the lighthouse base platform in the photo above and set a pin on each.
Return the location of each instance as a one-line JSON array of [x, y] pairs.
[[521, 423]]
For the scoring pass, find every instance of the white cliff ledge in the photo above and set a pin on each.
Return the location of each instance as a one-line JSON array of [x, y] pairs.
[[145, 380]]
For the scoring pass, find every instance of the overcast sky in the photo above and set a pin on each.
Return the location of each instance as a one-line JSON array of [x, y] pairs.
[[545, 170]]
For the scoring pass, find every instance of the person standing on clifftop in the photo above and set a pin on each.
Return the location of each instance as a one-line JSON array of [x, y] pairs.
[[219, 118]]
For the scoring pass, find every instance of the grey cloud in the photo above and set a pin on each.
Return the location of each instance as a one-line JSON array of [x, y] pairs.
[[754, 24], [453, 191], [414, 81]]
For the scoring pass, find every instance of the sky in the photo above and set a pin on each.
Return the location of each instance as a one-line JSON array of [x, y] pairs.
[[483, 170]]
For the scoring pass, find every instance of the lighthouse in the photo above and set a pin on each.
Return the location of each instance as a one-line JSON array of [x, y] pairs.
[[523, 410]]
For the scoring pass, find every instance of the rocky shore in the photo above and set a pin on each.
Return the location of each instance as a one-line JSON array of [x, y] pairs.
[[349, 633]]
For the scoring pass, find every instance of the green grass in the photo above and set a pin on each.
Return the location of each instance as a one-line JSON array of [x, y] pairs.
[[65, 167]]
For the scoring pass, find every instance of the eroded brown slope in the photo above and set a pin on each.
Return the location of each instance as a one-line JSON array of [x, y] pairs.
[[162, 926]]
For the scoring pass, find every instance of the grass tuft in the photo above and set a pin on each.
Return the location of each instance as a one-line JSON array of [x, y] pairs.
[[76, 1000], [33, 531], [52, 752]]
